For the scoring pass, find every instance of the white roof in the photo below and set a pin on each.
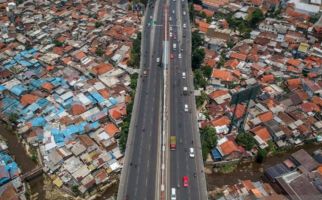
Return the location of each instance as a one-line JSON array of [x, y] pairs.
[[67, 95], [83, 99]]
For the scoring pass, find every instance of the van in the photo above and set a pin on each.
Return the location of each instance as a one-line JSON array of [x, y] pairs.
[[186, 109], [183, 74], [173, 194]]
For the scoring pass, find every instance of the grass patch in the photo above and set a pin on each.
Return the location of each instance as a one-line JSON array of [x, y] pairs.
[[227, 168]]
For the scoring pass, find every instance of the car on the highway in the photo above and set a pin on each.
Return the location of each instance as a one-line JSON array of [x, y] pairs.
[[173, 194], [170, 34], [158, 59], [185, 90], [145, 72], [184, 26], [170, 19], [186, 108], [172, 11], [183, 74], [184, 12], [185, 181], [179, 55], [171, 56], [191, 152]]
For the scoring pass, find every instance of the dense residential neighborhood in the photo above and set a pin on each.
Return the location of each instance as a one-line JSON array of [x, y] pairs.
[[65, 84], [68, 76]]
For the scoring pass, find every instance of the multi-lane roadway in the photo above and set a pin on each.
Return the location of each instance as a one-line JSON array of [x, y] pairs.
[[140, 171], [159, 107], [183, 123]]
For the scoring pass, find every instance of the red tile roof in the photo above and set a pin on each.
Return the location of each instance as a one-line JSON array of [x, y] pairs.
[[28, 99], [265, 117], [102, 68], [47, 86], [80, 55], [221, 121], [268, 78], [228, 147], [293, 83], [238, 56], [223, 75], [262, 132], [197, 7], [294, 62], [232, 63], [77, 109], [111, 129], [217, 93], [310, 107]]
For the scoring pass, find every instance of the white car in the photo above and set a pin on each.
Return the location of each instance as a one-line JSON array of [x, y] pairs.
[[183, 74], [173, 194], [186, 108], [184, 12], [158, 60], [184, 26], [172, 11], [191, 153], [170, 34], [179, 55]]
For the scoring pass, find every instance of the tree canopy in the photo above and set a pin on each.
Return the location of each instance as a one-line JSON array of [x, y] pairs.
[[208, 140], [246, 140]]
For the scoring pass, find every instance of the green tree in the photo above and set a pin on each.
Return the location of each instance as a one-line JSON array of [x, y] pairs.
[[13, 118], [261, 155], [199, 2], [136, 52], [246, 140], [256, 17], [196, 40], [230, 44], [202, 14], [123, 135], [199, 79], [314, 18], [58, 44], [99, 51], [208, 138], [134, 80], [198, 56], [209, 20], [75, 190], [201, 99], [191, 12], [206, 70], [98, 24]]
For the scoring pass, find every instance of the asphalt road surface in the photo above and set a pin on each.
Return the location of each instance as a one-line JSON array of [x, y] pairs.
[[139, 174], [140, 179], [183, 124]]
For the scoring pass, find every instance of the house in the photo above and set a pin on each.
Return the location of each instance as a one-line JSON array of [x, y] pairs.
[[305, 160], [228, 149]]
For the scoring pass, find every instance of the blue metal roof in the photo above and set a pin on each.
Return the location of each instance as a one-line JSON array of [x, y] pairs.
[[38, 121], [216, 154], [113, 100], [18, 89], [97, 97]]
